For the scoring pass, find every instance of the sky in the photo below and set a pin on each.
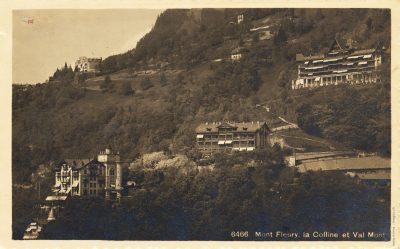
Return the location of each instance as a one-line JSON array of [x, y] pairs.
[[43, 40]]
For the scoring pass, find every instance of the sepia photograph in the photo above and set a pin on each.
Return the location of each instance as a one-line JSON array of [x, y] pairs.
[[202, 124]]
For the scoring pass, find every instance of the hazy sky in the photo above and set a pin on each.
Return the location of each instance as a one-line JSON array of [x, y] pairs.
[[59, 36]]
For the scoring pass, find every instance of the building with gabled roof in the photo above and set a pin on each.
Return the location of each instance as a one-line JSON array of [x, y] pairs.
[[101, 176], [231, 136], [343, 63], [88, 65]]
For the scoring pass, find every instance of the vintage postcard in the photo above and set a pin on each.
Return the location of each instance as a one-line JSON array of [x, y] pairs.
[[221, 124]]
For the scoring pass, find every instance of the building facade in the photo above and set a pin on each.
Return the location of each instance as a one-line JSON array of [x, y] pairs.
[[231, 136], [342, 64], [101, 176], [240, 18], [238, 53], [88, 65]]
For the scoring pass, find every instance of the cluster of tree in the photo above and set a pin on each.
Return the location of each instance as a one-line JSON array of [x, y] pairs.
[[146, 83], [360, 120], [124, 88], [66, 74], [245, 192], [241, 78]]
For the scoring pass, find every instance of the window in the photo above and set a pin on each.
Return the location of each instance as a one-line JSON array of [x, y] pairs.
[[112, 172]]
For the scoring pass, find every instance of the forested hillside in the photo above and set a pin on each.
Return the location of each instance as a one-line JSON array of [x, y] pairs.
[[137, 112], [247, 192], [151, 98]]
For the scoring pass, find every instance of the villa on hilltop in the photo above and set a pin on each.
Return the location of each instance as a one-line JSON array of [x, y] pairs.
[[342, 64], [88, 65]]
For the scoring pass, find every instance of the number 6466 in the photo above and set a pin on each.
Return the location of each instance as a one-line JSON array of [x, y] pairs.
[[240, 234]]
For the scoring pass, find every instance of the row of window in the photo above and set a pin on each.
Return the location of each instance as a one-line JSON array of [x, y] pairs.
[[92, 185], [366, 69], [92, 192], [344, 78], [215, 149], [226, 142], [100, 171], [337, 64], [224, 136]]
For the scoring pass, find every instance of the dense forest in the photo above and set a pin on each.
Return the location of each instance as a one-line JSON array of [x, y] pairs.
[[192, 80], [242, 193]]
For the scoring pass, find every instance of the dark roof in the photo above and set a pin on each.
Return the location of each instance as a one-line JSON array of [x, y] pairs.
[[338, 44], [240, 126], [363, 51], [92, 164], [74, 162], [301, 57], [354, 163]]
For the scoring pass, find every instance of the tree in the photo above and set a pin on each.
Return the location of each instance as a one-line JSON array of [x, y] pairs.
[[107, 84], [280, 37], [126, 89], [163, 79], [179, 78], [146, 83], [255, 37], [369, 23]]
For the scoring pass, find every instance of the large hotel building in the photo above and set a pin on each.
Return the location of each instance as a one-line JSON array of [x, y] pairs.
[[342, 64], [231, 136]]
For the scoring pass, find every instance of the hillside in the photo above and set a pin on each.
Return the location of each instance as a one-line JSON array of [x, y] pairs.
[[177, 83], [151, 98]]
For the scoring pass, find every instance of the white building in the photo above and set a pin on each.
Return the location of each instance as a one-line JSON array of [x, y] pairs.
[[240, 18], [340, 65], [88, 65], [238, 53], [90, 177]]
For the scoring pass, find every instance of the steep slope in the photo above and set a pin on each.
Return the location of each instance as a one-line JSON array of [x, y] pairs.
[[187, 85]]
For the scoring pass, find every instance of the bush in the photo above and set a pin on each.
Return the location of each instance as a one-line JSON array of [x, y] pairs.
[[146, 84], [107, 84], [126, 89]]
